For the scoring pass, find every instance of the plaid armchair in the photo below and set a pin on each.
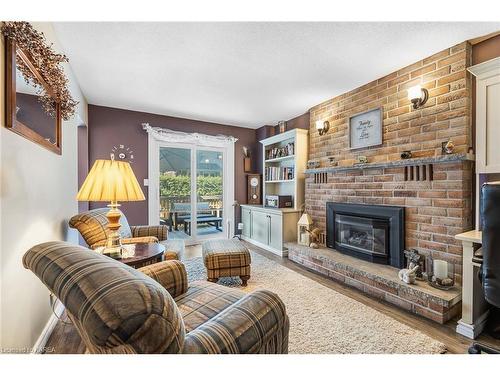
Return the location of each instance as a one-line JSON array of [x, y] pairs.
[[92, 225], [118, 309]]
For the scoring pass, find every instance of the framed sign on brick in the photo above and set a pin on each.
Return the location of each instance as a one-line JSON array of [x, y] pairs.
[[365, 129]]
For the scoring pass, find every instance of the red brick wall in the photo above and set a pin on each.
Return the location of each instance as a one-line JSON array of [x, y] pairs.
[[436, 210]]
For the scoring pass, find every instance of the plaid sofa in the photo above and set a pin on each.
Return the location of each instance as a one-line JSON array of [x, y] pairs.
[[118, 309], [92, 225]]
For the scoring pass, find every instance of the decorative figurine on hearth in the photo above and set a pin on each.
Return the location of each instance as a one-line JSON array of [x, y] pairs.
[[408, 275], [314, 237], [413, 259]]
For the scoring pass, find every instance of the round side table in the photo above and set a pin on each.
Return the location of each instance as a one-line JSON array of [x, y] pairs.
[[142, 254]]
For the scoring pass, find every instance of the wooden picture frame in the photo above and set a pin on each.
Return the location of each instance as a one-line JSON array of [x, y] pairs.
[[366, 128], [12, 123]]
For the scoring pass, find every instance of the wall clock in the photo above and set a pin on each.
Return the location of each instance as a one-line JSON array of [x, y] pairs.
[[123, 153], [254, 189]]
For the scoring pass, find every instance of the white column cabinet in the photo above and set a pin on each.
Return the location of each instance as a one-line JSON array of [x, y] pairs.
[[487, 121], [264, 227], [487, 115]]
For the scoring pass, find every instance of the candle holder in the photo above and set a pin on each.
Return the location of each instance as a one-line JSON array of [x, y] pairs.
[[440, 273]]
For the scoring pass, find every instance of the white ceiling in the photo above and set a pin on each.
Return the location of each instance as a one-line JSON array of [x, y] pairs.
[[244, 74]]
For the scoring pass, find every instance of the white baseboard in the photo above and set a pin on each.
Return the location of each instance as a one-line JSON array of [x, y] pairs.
[[41, 342], [471, 331]]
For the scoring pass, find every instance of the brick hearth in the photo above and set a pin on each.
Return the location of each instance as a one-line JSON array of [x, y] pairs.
[[380, 281]]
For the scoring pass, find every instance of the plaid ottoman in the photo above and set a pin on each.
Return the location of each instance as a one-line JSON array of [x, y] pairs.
[[226, 258]]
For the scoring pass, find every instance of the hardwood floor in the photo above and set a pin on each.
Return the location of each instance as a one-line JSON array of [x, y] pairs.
[[65, 339]]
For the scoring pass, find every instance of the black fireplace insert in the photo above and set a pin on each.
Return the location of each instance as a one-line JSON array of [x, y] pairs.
[[370, 232]]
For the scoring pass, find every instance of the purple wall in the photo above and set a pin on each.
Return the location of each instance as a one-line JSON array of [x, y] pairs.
[[109, 127], [261, 133], [299, 122]]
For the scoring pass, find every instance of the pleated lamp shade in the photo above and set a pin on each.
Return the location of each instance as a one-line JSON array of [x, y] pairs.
[[110, 181]]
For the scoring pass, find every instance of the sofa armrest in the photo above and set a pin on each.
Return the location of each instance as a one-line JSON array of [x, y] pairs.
[[170, 274], [158, 231], [257, 323], [174, 249]]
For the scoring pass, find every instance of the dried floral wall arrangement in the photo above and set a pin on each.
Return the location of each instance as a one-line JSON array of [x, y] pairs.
[[48, 64]]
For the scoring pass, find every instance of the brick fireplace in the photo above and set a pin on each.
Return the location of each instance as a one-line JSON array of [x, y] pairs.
[[437, 208], [434, 189]]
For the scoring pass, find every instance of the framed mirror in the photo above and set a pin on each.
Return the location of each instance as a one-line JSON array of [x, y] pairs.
[[31, 113]]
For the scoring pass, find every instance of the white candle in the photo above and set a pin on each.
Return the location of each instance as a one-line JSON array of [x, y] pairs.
[[440, 269]]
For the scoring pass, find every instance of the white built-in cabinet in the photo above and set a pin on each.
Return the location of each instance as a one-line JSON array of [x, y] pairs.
[[487, 120], [270, 228], [487, 115]]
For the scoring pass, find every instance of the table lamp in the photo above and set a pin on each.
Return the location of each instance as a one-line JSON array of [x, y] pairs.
[[111, 181]]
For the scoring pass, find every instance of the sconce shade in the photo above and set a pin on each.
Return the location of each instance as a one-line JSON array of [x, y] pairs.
[[415, 92], [418, 96], [322, 126], [110, 181]]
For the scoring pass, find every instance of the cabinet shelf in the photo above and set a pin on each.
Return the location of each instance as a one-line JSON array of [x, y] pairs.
[[278, 181], [283, 158]]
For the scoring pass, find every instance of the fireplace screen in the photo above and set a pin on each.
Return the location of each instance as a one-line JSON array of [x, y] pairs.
[[360, 234], [374, 233]]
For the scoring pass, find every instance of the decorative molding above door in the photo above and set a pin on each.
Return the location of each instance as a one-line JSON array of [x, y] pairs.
[[198, 139]]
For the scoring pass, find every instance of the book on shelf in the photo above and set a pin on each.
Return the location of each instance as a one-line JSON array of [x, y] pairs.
[[279, 173], [280, 152]]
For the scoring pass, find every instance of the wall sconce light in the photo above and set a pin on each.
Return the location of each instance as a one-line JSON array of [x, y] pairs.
[[322, 127], [418, 96]]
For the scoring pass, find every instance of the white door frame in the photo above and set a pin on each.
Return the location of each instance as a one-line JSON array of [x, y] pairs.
[[159, 137]]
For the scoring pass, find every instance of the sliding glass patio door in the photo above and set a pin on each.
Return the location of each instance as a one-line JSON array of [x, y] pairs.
[[209, 193], [190, 186], [175, 190]]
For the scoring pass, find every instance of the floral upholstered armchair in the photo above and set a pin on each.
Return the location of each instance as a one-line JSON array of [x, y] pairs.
[[92, 226], [118, 309]]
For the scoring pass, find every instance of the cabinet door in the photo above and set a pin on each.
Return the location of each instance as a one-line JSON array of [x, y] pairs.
[[488, 125], [260, 227], [275, 232], [246, 219]]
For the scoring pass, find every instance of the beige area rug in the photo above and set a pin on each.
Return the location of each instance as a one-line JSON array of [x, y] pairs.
[[323, 320]]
